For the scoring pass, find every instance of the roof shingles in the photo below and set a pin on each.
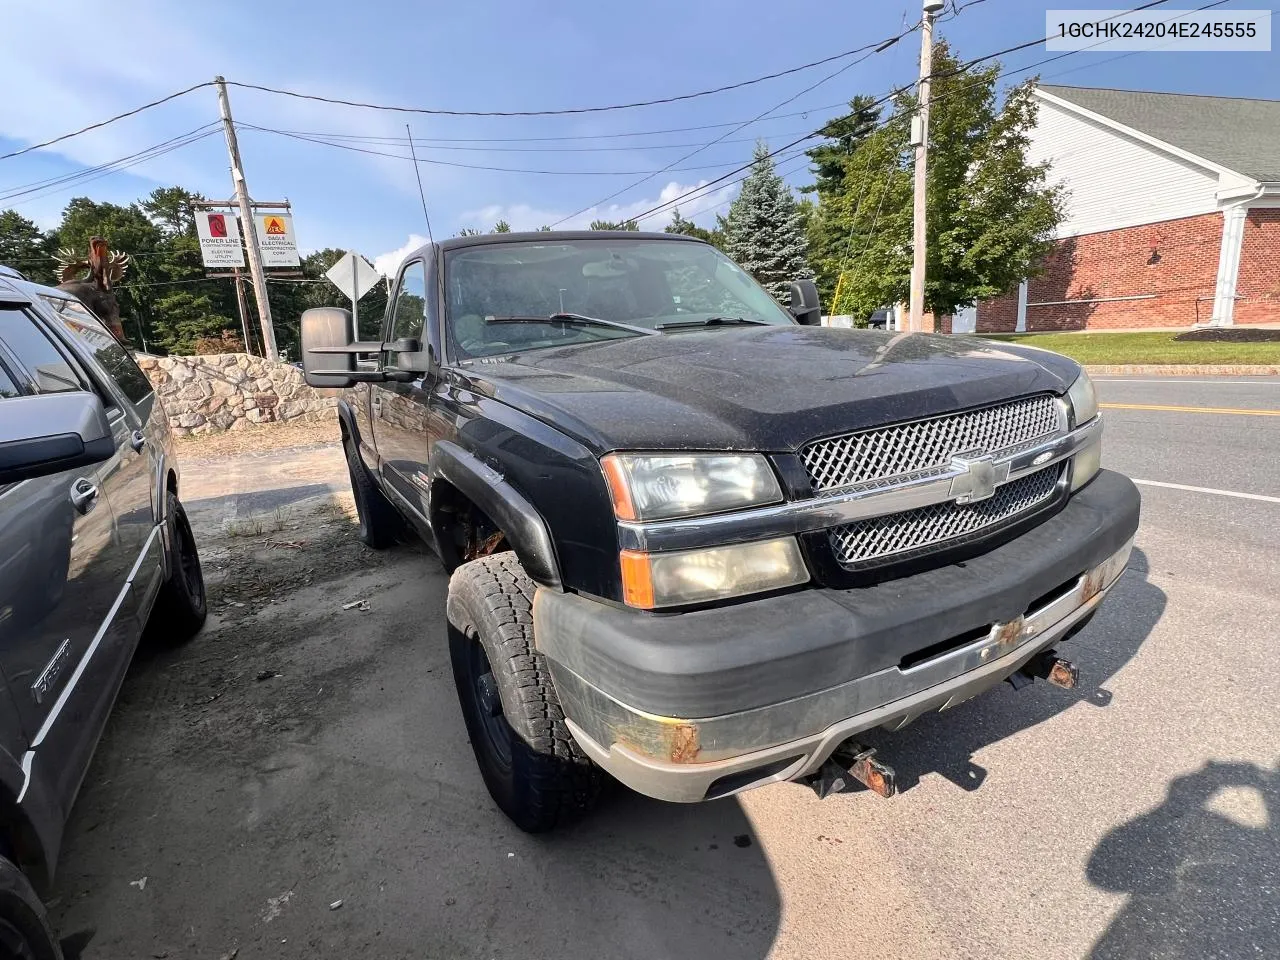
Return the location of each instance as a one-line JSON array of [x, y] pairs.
[[1241, 135]]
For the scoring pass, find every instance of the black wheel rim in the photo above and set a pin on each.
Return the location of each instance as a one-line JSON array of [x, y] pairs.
[[13, 943], [189, 560], [494, 728]]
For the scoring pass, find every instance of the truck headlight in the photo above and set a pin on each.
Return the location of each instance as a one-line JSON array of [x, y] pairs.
[[651, 580], [653, 487], [1083, 399]]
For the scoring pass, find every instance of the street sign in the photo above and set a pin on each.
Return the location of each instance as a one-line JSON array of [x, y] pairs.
[[219, 239], [276, 239], [353, 275]]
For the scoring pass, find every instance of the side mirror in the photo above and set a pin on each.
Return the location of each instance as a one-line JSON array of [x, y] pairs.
[[805, 305], [329, 350], [52, 432], [326, 333]]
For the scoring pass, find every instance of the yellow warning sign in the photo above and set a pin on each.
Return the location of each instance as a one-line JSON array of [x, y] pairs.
[[275, 226]]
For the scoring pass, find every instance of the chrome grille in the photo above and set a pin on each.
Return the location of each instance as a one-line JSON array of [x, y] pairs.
[[928, 445], [878, 539]]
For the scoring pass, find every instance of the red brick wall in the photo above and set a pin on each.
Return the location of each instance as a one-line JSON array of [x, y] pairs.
[[1176, 261], [1258, 283], [998, 315]]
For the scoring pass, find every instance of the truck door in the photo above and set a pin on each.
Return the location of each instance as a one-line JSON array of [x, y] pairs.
[[399, 411], [63, 576]]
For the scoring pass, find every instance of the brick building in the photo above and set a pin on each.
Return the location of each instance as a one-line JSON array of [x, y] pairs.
[[1172, 218]]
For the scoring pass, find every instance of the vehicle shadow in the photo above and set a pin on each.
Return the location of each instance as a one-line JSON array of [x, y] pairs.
[[661, 880], [945, 743], [335, 809], [1200, 869], [254, 502]]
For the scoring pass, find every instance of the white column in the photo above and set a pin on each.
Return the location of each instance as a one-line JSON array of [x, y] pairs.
[[1224, 293], [1021, 326]]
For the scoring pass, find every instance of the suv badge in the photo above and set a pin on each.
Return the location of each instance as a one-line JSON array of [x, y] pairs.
[[48, 679]]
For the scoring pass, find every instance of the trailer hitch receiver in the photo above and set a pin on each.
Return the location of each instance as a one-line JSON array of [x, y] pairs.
[[1047, 666], [852, 761]]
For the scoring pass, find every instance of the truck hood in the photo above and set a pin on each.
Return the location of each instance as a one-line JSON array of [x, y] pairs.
[[757, 388]]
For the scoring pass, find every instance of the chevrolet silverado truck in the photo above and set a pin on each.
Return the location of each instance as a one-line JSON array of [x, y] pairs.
[[698, 541]]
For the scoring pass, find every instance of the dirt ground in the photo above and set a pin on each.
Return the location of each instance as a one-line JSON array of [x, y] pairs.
[[296, 781]]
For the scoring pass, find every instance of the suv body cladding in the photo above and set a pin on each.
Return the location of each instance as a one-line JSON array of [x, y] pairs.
[[41, 770]]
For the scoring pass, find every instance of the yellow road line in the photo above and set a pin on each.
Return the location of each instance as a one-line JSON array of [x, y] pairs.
[[1236, 411]]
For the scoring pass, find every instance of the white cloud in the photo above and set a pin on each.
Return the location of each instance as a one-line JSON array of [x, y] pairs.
[[523, 216], [389, 261]]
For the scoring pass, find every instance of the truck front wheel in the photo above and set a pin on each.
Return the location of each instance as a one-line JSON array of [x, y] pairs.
[[380, 524], [535, 772]]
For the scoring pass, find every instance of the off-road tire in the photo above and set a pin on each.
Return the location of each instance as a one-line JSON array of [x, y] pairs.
[[535, 772], [380, 525], [24, 926], [181, 606]]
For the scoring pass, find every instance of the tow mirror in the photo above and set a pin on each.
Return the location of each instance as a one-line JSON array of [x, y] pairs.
[[329, 350], [805, 305], [52, 432]]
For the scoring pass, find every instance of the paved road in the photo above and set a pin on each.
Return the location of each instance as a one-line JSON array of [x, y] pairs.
[[1138, 816]]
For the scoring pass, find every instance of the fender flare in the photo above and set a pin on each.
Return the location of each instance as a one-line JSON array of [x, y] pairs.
[[347, 421], [526, 530]]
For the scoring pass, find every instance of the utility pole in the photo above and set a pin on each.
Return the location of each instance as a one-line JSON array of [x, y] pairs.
[[920, 138], [248, 225], [244, 312]]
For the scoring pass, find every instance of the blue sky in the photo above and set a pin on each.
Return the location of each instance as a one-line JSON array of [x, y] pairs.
[[487, 54]]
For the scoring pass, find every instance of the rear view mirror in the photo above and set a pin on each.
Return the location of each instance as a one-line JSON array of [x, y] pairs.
[[52, 432], [805, 305]]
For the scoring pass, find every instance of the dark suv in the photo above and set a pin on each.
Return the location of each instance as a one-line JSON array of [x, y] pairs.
[[94, 543], [698, 541]]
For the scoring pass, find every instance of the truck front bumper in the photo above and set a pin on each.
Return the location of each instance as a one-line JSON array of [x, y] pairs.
[[692, 706]]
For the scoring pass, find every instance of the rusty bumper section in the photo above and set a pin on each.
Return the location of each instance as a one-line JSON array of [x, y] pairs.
[[688, 760]]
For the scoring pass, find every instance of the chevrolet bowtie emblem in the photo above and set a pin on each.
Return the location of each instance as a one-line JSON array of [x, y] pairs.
[[979, 477]]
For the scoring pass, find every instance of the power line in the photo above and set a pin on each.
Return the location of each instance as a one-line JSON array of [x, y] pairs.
[[427, 145], [962, 68], [872, 50], [21, 189], [433, 141], [103, 123], [475, 166], [434, 111], [149, 155]]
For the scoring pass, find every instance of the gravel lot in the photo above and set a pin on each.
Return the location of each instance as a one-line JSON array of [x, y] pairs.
[[296, 754]]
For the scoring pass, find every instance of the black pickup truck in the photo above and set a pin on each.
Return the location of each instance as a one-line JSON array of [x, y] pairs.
[[697, 540]]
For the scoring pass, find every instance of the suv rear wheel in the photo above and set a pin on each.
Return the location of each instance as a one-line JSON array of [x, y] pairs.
[[182, 606], [535, 772], [24, 926]]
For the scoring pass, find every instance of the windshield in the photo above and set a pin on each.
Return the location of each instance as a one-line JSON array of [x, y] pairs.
[[644, 283]]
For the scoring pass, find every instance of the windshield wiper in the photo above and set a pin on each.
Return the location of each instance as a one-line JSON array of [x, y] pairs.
[[577, 318], [711, 322]]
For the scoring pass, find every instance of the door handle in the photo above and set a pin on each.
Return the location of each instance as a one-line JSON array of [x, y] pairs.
[[137, 441], [84, 495]]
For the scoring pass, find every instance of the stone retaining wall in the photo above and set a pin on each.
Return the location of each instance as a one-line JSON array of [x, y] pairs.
[[230, 391]]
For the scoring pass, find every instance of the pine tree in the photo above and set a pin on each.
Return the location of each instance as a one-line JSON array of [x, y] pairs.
[[764, 232], [27, 248], [688, 228]]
